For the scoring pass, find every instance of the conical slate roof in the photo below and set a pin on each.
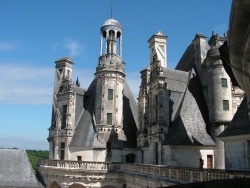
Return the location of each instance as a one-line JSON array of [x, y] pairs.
[[188, 113], [85, 134]]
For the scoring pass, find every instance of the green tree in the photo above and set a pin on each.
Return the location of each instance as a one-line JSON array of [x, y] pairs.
[[35, 155]]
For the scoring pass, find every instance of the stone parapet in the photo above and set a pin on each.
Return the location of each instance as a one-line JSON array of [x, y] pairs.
[[166, 175]]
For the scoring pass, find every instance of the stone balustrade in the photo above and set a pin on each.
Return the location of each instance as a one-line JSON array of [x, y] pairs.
[[81, 165], [182, 175], [160, 172]]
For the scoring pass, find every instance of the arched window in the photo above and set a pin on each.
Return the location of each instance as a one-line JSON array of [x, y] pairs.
[[104, 34]]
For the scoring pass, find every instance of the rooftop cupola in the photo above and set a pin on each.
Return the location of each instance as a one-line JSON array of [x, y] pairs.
[[111, 38]]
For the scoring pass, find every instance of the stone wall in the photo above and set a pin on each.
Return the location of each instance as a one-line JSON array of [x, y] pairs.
[[181, 156], [237, 155]]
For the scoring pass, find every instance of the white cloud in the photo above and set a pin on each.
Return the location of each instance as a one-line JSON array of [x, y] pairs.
[[23, 84], [22, 142], [6, 46], [73, 47]]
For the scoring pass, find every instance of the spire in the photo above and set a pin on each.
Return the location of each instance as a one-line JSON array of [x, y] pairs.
[[77, 82], [111, 9]]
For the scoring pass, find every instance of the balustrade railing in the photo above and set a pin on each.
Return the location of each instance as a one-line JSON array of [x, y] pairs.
[[176, 174], [81, 165]]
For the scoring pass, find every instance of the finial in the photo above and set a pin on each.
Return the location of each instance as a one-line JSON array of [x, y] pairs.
[[111, 9], [77, 82]]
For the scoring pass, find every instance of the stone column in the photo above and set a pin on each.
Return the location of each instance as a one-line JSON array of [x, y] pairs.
[[120, 45], [51, 150], [101, 52], [67, 153], [56, 149]]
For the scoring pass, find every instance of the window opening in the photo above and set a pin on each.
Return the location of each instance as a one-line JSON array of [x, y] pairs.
[[109, 118], [64, 116], [224, 82], [110, 94], [225, 104]]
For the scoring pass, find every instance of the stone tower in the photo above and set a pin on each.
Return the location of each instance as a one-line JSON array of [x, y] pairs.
[[62, 125], [153, 100], [219, 84], [109, 86], [143, 108], [219, 96]]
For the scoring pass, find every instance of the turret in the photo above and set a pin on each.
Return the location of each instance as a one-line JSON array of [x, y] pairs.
[[110, 83], [219, 97], [62, 125], [149, 111], [111, 38], [153, 100], [219, 84], [143, 107]]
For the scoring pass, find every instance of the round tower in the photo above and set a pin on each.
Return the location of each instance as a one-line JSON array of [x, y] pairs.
[[219, 84], [110, 82], [219, 97]]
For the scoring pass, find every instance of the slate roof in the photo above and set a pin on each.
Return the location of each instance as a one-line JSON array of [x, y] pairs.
[[130, 117], [187, 60], [176, 80], [15, 169], [175, 102], [188, 108], [78, 90], [199, 35], [188, 126], [85, 134], [240, 123], [84, 131]]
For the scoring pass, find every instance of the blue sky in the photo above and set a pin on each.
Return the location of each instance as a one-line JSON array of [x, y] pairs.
[[34, 34]]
